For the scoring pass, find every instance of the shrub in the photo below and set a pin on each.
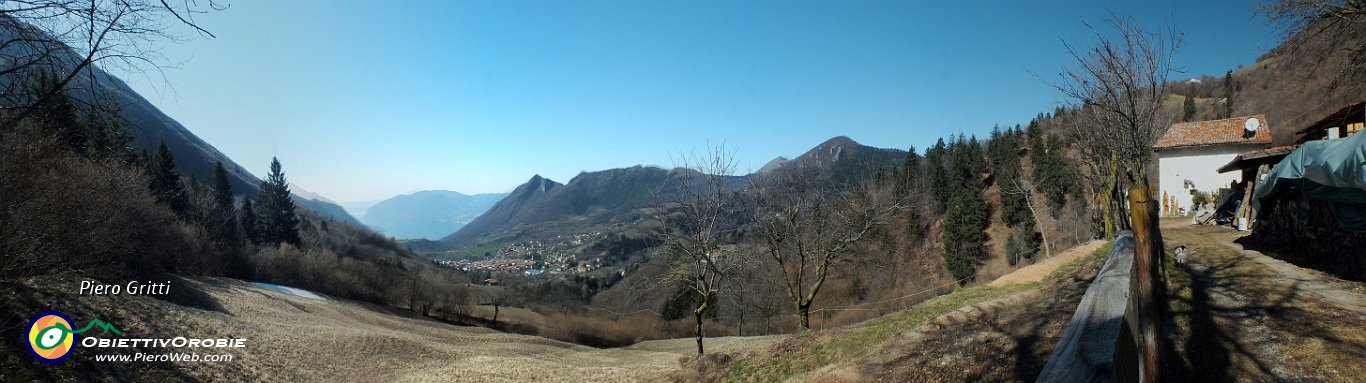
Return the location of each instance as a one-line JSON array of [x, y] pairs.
[[63, 212]]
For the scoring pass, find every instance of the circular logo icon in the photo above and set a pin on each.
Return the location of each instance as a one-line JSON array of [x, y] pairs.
[[51, 336]]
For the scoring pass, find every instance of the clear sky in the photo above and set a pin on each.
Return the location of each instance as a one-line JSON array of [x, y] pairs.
[[367, 100]]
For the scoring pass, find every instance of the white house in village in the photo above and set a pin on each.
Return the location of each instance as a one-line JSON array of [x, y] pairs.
[[1190, 153]]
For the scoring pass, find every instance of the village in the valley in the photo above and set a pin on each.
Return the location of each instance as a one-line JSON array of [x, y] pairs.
[[559, 255]]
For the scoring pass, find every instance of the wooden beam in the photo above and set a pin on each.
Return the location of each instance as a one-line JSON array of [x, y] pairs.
[[1146, 292]]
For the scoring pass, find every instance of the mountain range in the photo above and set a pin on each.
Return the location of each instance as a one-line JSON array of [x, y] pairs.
[[591, 201], [429, 214]]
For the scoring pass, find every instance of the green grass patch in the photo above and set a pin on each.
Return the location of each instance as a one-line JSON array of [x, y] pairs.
[[601, 272], [476, 252], [854, 342]]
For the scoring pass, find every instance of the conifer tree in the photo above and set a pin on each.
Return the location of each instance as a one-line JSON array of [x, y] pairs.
[[937, 172], [1188, 109], [966, 214], [910, 173], [223, 215], [906, 175], [165, 181], [246, 217], [276, 221], [57, 113]]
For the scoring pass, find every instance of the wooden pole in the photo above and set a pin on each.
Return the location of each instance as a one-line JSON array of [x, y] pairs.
[[1146, 295]]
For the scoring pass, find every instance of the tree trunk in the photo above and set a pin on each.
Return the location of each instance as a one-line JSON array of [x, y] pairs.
[[741, 330], [1038, 224], [1107, 198], [698, 316], [804, 311], [495, 313]]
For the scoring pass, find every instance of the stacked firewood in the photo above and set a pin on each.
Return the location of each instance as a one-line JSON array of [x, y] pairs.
[[1304, 231]]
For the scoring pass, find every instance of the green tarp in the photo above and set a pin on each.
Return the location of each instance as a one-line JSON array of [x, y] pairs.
[[1329, 170]]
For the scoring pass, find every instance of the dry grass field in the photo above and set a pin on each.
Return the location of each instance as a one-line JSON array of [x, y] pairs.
[[293, 338]]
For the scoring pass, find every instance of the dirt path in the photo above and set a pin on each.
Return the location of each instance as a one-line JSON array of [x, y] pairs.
[[1036, 272], [1326, 287], [1238, 315]]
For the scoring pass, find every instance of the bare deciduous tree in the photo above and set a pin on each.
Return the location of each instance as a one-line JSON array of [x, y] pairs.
[[1296, 15], [68, 37], [693, 211], [807, 228], [1118, 88], [1023, 186]]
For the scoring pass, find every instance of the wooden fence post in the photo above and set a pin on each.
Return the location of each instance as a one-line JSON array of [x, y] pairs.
[[1145, 320]]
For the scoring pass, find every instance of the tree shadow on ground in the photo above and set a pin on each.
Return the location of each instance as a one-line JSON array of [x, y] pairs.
[[1350, 267], [1005, 342], [1232, 313]]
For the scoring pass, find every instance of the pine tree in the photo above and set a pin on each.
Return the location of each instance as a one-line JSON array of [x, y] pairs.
[[57, 113], [937, 170], [967, 214], [910, 172], [165, 182], [108, 135], [965, 223], [1188, 109], [276, 220], [223, 215], [246, 218]]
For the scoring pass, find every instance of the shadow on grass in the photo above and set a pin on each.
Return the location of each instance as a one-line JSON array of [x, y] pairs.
[[189, 294], [1337, 262], [1232, 313], [1008, 343]]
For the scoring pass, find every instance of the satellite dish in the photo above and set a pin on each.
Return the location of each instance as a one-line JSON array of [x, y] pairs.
[[1251, 126]]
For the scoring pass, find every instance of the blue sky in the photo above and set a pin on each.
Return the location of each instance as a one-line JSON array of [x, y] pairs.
[[365, 100]]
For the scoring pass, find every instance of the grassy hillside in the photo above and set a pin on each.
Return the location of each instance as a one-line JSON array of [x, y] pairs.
[[291, 339], [974, 334], [1293, 84]]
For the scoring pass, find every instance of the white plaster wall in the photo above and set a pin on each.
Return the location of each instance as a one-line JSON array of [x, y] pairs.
[[1199, 165]]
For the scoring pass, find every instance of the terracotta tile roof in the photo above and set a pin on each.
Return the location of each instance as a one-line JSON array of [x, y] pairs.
[[1213, 132]]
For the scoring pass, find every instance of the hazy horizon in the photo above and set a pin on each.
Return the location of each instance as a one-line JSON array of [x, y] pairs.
[[365, 103]]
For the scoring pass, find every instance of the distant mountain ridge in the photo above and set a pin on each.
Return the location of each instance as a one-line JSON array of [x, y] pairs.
[[428, 214], [540, 207]]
